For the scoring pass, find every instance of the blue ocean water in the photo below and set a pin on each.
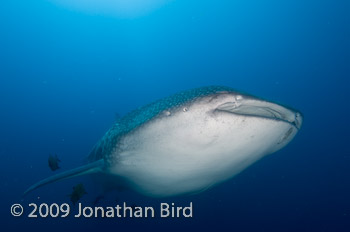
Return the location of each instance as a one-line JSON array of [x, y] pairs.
[[68, 70]]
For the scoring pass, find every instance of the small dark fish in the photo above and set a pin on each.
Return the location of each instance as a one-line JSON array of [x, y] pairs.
[[78, 192], [98, 199], [53, 162]]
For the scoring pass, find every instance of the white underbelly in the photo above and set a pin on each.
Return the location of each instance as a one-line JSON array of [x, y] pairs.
[[171, 157]]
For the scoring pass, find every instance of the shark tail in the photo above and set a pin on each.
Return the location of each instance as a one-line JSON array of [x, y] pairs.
[[83, 170]]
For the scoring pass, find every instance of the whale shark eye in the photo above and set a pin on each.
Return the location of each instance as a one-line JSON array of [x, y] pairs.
[[167, 113], [239, 97], [184, 109]]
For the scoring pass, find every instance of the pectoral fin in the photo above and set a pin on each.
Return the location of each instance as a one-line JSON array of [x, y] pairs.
[[83, 170]]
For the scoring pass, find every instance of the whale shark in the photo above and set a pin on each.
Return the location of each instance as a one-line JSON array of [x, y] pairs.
[[188, 142]]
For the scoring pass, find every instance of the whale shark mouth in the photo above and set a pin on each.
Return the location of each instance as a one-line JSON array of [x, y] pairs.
[[262, 109]]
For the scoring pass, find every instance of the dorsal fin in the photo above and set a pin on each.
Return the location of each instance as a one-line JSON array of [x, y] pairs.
[[83, 170]]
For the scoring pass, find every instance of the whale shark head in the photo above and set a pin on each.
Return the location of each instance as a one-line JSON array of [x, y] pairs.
[[240, 110], [188, 142], [201, 140]]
